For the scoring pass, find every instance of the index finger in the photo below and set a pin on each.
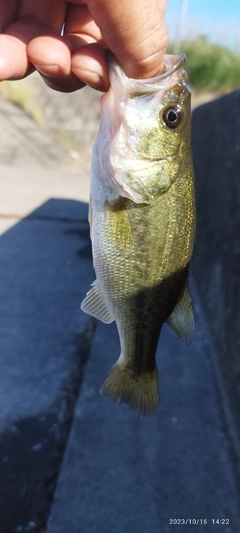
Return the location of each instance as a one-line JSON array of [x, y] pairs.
[[21, 21]]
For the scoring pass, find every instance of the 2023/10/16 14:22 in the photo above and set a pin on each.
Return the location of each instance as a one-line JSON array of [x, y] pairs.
[[199, 521]]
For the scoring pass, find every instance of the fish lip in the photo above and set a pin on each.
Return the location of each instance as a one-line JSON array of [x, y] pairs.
[[156, 159], [145, 159], [151, 85], [156, 79]]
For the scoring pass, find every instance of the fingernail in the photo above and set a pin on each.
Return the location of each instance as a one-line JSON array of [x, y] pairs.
[[51, 71]]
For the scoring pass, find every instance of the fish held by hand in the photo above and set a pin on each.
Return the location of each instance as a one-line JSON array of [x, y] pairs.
[[142, 221]]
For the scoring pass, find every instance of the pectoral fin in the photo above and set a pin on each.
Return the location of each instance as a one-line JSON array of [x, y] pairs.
[[182, 320], [94, 304]]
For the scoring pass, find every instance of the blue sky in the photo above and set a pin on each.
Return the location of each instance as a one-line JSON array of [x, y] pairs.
[[219, 20]]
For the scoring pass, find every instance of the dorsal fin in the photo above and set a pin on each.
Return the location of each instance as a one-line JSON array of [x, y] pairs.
[[182, 320], [95, 305]]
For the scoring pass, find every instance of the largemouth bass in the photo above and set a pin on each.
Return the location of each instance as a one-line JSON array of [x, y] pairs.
[[142, 220]]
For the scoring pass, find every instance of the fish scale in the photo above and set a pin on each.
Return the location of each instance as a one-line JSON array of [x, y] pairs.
[[142, 224]]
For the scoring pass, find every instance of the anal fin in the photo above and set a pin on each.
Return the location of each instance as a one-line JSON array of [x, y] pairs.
[[182, 320], [95, 305]]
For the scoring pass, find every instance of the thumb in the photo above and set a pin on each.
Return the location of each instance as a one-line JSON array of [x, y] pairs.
[[135, 32]]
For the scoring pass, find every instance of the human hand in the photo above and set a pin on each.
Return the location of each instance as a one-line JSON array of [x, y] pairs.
[[133, 30]]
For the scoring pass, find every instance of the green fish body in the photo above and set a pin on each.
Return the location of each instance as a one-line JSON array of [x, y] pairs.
[[142, 219]]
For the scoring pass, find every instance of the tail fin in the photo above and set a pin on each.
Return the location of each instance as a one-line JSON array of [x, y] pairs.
[[139, 391]]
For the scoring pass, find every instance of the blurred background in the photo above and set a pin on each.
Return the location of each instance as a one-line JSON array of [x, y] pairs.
[[217, 21]]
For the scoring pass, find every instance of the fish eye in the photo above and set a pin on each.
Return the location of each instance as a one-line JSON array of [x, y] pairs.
[[172, 117]]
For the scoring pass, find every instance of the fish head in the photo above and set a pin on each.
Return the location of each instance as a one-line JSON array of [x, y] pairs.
[[147, 130]]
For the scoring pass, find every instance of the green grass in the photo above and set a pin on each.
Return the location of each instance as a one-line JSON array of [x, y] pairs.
[[20, 93], [210, 67]]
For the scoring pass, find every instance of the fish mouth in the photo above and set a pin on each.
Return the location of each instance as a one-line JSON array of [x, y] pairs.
[[141, 160], [172, 67], [156, 159], [140, 163]]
